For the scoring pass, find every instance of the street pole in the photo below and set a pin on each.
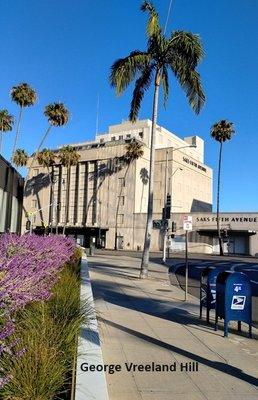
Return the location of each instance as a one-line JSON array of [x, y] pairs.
[[165, 227], [186, 265]]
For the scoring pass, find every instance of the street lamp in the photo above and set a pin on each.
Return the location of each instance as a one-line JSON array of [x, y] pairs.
[[167, 191]]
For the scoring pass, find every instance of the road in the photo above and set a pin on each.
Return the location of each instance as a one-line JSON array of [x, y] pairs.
[[197, 262]]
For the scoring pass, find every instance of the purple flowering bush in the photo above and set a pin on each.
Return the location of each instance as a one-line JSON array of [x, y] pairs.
[[30, 266]]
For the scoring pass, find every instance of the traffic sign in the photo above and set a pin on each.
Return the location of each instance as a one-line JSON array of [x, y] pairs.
[[187, 226], [187, 223]]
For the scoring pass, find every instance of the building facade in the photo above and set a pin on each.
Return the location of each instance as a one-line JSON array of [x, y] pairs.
[[11, 197], [107, 199], [239, 233]]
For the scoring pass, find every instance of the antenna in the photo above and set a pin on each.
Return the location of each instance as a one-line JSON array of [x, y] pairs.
[[168, 15], [97, 115]]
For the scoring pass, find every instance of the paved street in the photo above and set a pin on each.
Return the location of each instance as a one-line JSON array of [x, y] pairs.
[[146, 321]]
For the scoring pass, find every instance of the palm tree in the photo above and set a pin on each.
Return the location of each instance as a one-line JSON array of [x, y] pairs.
[[6, 124], [20, 158], [221, 131], [134, 150], [57, 115], [180, 52], [46, 158], [68, 157], [24, 96]]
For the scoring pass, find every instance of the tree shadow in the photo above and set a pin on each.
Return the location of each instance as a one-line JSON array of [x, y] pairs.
[[144, 175], [103, 171], [216, 365], [33, 187]]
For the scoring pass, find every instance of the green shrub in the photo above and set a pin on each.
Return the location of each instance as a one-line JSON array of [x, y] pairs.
[[48, 331]]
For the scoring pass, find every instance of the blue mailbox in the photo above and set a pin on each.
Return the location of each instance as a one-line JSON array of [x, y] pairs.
[[233, 300], [208, 290]]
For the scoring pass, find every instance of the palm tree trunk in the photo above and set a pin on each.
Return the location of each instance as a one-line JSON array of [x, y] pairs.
[[67, 198], [118, 206], [148, 232], [218, 202], [39, 147], [51, 210], [1, 141], [17, 132]]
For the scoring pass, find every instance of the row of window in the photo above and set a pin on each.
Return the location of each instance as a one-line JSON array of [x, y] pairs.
[[121, 137]]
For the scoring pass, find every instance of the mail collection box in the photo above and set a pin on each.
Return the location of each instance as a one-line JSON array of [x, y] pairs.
[[208, 290], [233, 300]]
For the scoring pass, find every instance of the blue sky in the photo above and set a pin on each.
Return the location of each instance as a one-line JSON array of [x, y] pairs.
[[65, 50]]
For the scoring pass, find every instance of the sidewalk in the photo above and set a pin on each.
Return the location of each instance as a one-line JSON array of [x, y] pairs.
[[147, 322]]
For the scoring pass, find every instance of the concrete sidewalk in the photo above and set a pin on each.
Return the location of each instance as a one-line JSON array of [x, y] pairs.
[[147, 322]]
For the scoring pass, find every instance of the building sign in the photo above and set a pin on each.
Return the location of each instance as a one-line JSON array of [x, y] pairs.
[[194, 164], [227, 219]]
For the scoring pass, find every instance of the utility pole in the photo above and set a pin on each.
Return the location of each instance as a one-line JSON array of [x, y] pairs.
[[186, 265]]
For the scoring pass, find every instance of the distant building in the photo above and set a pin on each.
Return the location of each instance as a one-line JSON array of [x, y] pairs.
[[11, 196], [100, 181]]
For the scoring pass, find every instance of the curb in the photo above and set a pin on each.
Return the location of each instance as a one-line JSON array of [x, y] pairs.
[[90, 385]]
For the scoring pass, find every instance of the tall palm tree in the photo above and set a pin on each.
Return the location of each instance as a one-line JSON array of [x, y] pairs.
[[134, 150], [57, 115], [46, 158], [6, 124], [221, 131], [20, 158], [68, 157], [180, 52], [24, 96]]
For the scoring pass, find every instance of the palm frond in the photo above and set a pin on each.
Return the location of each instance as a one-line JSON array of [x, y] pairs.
[[153, 26], [190, 82], [124, 70], [222, 130], [142, 84], [23, 95], [57, 114], [186, 45], [68, 156], [20, 158], [6, 121]]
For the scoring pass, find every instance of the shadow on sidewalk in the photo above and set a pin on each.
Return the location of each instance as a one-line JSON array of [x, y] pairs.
[[219, 366]]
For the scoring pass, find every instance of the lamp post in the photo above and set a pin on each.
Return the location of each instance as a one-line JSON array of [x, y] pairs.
[[166, 192]]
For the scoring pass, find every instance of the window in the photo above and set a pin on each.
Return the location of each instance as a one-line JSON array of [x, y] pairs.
[[121, 182], [35, 172], [120, 219], [113, 138], [101, 140], [121, 200], [128, 136], [141, 135], [34, 203], [120, 137], [91, 167]]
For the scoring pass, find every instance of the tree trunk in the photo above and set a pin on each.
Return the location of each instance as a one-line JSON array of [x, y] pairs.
[[39, 147], [218, 200], [51, 176], [17, 132], [1, 141], [67, 198], [148, 232], [118, 206]]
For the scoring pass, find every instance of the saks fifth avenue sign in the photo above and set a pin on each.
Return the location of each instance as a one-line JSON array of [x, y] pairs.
[[227, 219], [194, 164]]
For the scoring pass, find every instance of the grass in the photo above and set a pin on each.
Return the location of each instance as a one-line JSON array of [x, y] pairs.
[[48, 331]]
